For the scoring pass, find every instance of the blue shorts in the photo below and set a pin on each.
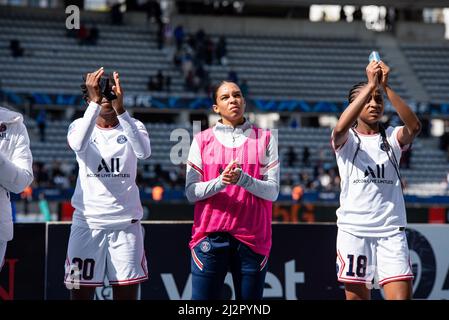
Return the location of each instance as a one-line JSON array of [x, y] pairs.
[[214, 256]]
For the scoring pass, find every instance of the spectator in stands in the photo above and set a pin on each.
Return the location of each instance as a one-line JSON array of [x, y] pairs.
[[187, 64], [357, 14], [291, 157], [447, 182], [83, 34], [391, 19], [426, 127], [15, 169], [371, 218], [191, 82], [44, 208], [209, 48], [297, 193], [221, 51], [93, 36], [162, 175], [233, 200], [305, 180], [160, 80], [306, 156], [293, 123], [160, 36], [116, 14], [179, 36], [444, 143], [42, 178], [106, 229], [41, 122], [152, 84], [343, 16], [325, 180], [232, 76], [157, 193], [27, 197], [244, 87], [16, 48], [177, 58], [153, 10], [168, 83]]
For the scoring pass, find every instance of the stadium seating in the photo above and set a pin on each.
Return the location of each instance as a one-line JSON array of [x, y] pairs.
[[275, 68], [430, 63], [312, 69]]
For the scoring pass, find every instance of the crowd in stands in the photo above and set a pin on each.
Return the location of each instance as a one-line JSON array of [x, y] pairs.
[[16, 48], [159, 82], [85, 35], [192, 53]]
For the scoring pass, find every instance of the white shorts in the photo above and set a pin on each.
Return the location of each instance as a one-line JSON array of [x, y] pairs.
[[93, 254], [370, 260], [2, 253]]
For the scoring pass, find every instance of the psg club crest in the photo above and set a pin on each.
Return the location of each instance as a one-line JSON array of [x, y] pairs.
[[121, 139], [205, 246], [384, 147], [2, 127]]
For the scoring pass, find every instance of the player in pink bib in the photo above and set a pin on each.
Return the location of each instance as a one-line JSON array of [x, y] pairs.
[[233, 178]]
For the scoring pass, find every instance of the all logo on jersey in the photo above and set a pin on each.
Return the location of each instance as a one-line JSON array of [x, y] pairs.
[[114, 165], [109, 169], [374, 174], [121, 139], [380, 171]]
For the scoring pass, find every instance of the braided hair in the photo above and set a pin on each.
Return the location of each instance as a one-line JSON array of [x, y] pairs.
[[385, 145], [84, 93]]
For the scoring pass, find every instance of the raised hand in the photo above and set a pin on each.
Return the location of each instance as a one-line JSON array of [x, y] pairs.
[[373, 70], [117, 104], [92, 85], [385, 72]]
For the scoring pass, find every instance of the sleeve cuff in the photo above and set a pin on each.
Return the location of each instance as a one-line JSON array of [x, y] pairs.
[[221, 185], [242, 179], [93, 105], [124, 116]]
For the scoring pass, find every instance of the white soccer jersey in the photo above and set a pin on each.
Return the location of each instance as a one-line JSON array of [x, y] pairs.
[[106, 195], [15, 166], [371, 199]]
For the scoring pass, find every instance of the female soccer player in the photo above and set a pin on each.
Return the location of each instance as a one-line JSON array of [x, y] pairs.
[[371, 219], [106, 236], [15, 169], [233, 178]]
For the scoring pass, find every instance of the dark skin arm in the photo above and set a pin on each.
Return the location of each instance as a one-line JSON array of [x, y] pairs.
[[117, 104], [412, 125], [352, 112], [93, 89]]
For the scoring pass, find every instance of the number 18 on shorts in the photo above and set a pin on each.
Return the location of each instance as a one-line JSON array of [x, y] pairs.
[[372, 260]]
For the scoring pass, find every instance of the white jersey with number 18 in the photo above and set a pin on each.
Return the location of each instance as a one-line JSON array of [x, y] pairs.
[[371, 199]]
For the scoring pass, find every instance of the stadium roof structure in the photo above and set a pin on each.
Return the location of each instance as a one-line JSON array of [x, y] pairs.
[[388, 3]]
